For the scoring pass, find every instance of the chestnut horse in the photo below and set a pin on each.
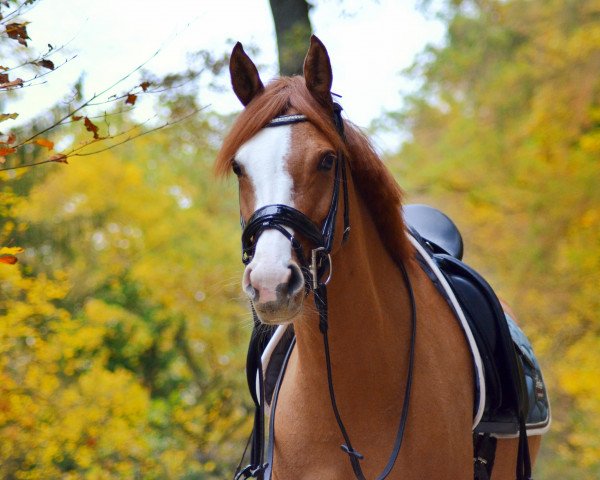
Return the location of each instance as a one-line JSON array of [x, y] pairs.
[[377, 289]]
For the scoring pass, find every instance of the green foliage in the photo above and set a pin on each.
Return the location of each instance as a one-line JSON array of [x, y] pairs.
[[505, 136], [121, 328]]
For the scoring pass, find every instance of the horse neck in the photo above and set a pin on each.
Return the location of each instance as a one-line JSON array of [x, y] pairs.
[[368, 310]]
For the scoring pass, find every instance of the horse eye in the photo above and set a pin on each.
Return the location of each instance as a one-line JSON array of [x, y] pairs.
[[236, 167], [327, 161]]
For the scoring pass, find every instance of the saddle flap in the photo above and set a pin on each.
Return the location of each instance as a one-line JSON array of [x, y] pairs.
[[513, 377], [487, 318]]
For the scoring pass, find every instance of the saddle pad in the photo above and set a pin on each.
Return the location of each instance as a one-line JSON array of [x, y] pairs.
[[472, 301]]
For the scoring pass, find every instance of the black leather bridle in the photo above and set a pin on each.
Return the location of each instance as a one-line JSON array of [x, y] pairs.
[[278, 217], [281, 218]]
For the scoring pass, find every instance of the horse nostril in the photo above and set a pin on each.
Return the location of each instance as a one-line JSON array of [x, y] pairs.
[[247, 285], [296, 280]]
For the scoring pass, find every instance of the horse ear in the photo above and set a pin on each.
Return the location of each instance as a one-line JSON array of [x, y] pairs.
[[244, 75], [317, 72]]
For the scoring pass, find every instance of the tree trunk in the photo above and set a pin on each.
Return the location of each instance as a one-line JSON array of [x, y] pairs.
[[293, 30]]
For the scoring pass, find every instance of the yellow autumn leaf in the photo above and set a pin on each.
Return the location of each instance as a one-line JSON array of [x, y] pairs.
[[11, 250]]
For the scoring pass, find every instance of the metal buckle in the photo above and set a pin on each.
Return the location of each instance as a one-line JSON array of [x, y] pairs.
[[250, 472], [314, 268]]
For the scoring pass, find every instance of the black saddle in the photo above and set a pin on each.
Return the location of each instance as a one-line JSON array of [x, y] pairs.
[[513, 378], [515, 395]]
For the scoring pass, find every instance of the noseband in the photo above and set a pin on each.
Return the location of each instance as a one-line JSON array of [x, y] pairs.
[[284, 218]]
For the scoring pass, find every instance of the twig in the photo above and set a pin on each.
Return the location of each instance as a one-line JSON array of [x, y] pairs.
[[101, 139], [86, 103], [105, 114], [29, 81], [39, 58], [110, 147], [17, 11], [133, 137], [138, 91]]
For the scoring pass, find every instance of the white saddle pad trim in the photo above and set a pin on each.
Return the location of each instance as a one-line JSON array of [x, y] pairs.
[[464, 324]]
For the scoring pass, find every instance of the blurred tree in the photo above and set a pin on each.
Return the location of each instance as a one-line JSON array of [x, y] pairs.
[[119, 329], [505, 134], [120, 334], [293, 30]]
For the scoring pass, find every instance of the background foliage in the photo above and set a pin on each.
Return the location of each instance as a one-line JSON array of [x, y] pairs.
[[505, 136], [122, 334], [120, 331]]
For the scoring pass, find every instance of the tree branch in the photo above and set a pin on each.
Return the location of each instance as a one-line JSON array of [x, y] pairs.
[[62, 157]]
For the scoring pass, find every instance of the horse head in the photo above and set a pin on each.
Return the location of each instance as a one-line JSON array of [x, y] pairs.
[[290, 162]]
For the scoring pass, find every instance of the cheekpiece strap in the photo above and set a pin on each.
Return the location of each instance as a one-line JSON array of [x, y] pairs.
[[286, 120]]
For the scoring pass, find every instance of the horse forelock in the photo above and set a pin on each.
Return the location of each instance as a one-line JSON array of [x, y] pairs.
[[374, 183]]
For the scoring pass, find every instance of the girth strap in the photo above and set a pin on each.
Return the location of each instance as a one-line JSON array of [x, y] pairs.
[[484, 454]]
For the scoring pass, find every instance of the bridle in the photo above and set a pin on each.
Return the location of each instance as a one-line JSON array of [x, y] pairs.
[[281, 218], [278, 217]]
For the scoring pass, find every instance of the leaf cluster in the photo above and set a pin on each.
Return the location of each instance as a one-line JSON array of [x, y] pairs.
[[121, 328]]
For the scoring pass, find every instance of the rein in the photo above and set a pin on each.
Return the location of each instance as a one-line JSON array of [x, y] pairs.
[[284, 218]]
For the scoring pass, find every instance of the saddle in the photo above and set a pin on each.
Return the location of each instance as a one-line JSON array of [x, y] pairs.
[[512, 400], [510, 395]]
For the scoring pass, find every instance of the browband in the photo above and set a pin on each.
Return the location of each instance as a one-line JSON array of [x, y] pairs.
[[286, 120], [298, 117]]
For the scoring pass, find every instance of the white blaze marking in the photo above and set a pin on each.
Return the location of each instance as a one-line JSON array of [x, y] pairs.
[[263, 158]]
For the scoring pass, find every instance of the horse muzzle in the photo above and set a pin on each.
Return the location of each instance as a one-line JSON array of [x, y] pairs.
[[276, 291]]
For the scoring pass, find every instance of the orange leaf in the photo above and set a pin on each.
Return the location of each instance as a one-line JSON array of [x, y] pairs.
[[5, 150], [90, 127], [43, 142], [131, 98], [3, 77], [145, 85], [18, 32], [2, 159], [76, 118], [58, 158], [8, 259], [17, 82], [11, 138]]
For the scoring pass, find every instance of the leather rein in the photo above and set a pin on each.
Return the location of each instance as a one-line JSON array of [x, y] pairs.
[[283, 218]]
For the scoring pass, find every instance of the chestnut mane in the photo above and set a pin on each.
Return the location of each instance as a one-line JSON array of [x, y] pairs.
[[372, 179]]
